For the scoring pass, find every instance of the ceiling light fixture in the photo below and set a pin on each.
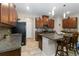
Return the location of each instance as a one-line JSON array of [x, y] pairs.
[[53, 12], [64, 15], [49, 13], [54, 8], [28, 8], [67, 12], [64, 5]]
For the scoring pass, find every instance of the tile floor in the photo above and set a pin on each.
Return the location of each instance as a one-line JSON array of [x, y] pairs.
[[31, 49]]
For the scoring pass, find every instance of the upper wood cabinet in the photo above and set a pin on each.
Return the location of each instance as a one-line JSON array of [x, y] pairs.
[[41, 22], [51, 23], [36, 23], [65, 23], [12, 14], [71, 22], [4, 13], [8, 14], [45, 19]]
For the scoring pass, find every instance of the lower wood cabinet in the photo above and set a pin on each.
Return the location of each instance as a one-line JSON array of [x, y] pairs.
[[39, 39], [16, 52]]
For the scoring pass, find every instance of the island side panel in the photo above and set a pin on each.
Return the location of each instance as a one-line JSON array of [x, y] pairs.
[[49, 46]]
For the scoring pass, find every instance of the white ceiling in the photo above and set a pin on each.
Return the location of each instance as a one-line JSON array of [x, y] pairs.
[[39, 9]]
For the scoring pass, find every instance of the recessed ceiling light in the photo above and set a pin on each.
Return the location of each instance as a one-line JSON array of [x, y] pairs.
[[53, 12], [67, 12], [50, 13], [28, 8], [54, 7], [64, 15], [64, 5]]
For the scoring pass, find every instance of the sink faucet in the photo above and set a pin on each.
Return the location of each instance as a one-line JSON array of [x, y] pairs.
[[5, 35]]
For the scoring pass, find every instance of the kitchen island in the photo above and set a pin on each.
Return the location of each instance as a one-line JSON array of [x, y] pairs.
[[49, 44], [11, 46]]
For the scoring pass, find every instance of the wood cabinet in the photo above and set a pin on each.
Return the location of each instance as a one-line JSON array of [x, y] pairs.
[[51, 23], [71, 22], [45, 20], [16, 52], [65, 23], [39, 23], [36, 22], [38, 38], [8, 15], [40, 41], [12, 15], [4, 13]]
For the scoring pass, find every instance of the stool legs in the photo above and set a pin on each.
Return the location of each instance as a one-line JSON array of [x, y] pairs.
[[67, 50], [56, 51], [61, 50]]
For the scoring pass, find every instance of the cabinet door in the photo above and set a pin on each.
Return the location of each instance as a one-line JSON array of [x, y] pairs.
[[39, 23], [4, 13], [65, 23], [51, 23], [13, 15], [36, 23], [72, 23], [45, 20]]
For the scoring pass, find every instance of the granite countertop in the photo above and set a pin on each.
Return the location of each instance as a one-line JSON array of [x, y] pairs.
[[69, 31], [54, 36], [11, 43]]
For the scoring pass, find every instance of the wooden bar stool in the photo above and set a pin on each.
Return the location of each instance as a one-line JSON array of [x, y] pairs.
[[62, 47], [73, 43]]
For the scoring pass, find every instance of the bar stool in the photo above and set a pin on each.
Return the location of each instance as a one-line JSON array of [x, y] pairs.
[[62, 47], [73, 43]]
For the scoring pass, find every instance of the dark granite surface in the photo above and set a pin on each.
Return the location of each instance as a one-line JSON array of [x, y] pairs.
[[11, 43], [55, 36]]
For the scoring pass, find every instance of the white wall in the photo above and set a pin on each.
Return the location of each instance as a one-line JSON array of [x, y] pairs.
[[29, 23], [28, 26]]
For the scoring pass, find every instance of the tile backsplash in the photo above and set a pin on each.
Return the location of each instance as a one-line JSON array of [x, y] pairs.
[[4, 31], [70, 30]]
